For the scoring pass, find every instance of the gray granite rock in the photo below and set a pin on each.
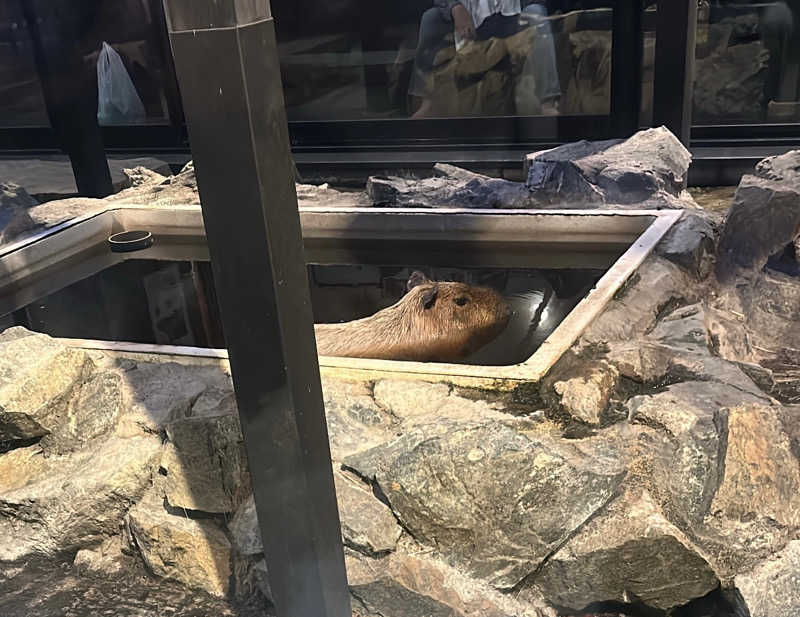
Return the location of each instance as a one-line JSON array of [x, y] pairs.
[[491, 497], [38, 377], [649, 168], [772, 588], [689, 244]]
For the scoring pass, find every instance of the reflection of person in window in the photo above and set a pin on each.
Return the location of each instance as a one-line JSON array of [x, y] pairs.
[[465, 20], [780, 30]]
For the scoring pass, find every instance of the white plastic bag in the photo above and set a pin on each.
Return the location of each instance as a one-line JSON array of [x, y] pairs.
[[117, 99]]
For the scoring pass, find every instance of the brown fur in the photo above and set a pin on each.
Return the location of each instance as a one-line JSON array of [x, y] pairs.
[[433, 322]]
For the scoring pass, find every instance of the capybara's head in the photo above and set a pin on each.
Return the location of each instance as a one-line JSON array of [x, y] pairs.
[[452, 319]]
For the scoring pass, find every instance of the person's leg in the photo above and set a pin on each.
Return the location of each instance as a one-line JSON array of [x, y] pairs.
[[777, 26], [543, 56], [434, 35]]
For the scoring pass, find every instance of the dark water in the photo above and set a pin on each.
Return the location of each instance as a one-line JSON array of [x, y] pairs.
[[51, 589]]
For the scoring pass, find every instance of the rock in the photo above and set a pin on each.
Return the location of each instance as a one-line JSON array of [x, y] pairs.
[[160, 393], [355, 422], [489, 496], [309, 195], [758, 322], [627, 553], [686, 469], [368, 525], [418, 580], [757, 506], [194, 552], [91, 413], [730, 82], [63, 503], [789, 416], [581, 388], [772, 588], [205, 464], [411, 398], [106, 559], [677, 350], [689, 244], [764, 218], [647, 170], [244, 529], [37, 378], [450, 187], [655, 289]]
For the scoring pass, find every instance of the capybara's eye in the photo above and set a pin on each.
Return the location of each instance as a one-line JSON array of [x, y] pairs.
[[461, 301]]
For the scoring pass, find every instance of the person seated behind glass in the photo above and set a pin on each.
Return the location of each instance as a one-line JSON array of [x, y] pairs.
[[481, 20]]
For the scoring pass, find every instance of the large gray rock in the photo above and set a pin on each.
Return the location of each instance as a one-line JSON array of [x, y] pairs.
[[393, 584], [490, 496], [196, 553], [159, 393], [772, 588], [763, 219], [355, 421], [63, 503], [629, 552], [657, 287], [730, 82], [449, 187], [649, 168], [689, 244], [686, 466], [38, 376], [367, 524], [205, 464]]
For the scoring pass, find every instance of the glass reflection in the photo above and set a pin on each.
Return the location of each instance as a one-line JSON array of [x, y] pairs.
[[747, 61], [354, 59]]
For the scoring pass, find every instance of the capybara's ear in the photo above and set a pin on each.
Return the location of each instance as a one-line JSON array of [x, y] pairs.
[[429, 296], [417, 278]]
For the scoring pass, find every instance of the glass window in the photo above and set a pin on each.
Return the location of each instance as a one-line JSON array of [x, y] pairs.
[[21, 98], [51, 51], [355, 59], [747, 60]]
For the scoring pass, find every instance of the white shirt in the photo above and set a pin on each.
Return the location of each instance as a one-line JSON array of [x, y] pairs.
[[481, 9]]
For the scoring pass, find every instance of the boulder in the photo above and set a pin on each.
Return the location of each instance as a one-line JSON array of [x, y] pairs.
[[580, 387], [647, 170], [627, 553], [449, 187], [92, 412], [355, 421], [772, 588], [407, 399], [159, 393], [689, 244], [106, 559], [489, 495], [38, 376], [196, 553], [205, 464], [730, 82], [64, 503], [367, 524], [655, 289], [763, 219], [397, 583]]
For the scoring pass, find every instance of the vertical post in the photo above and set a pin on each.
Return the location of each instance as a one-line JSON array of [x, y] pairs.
[[227, 64], [626, 67], [673, 86]]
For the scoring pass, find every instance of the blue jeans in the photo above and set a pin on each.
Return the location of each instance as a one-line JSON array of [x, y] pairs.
[[436, 33]]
